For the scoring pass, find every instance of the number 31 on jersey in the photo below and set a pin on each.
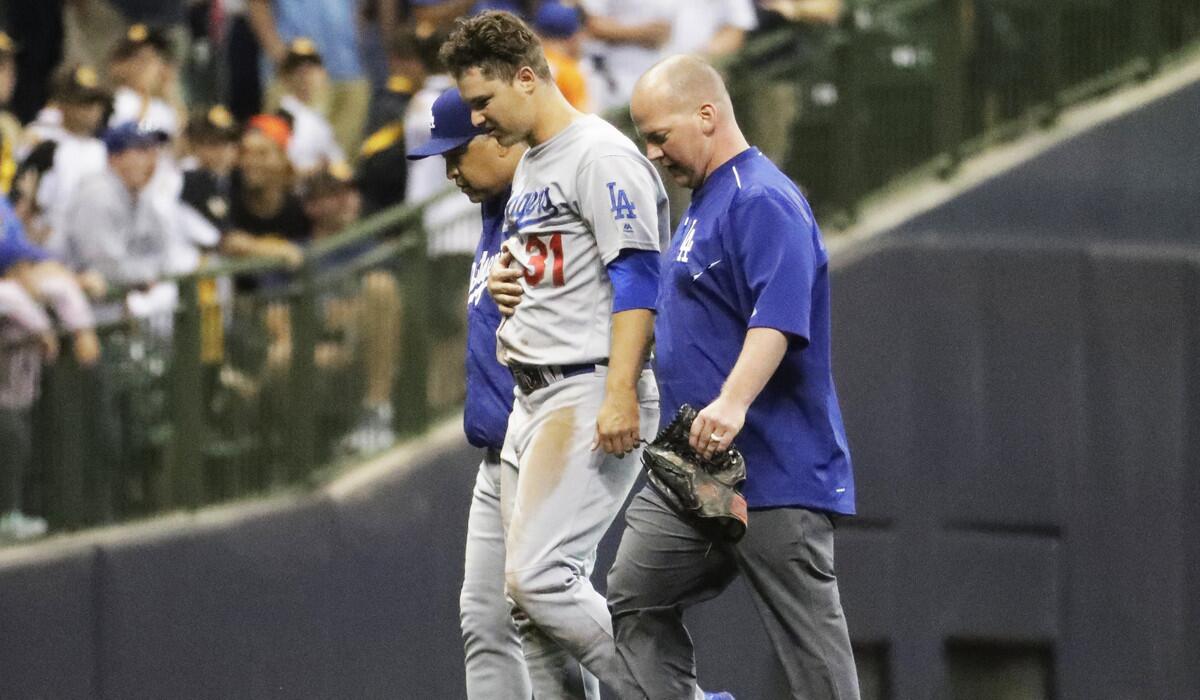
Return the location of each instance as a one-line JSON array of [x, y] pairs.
[[539, 251]]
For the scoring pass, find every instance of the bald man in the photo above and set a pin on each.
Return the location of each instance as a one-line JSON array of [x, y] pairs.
[[742, 330]]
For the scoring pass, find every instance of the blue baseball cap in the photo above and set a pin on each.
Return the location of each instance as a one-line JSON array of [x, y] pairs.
[[451, 128], [131, 135], [556, 21]]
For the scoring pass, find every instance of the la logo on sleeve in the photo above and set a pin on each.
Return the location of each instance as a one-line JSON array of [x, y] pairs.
[[621, 207]]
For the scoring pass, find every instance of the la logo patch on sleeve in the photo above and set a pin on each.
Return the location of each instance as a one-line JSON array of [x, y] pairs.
[[621, 207]]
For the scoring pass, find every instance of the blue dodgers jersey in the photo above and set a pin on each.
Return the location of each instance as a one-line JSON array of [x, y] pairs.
[[489, 383], [748, 254]]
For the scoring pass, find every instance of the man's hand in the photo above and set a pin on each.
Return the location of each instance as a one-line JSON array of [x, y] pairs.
[[617, 423], [716, 426], [502, 283], [87, 347], [93, 284]]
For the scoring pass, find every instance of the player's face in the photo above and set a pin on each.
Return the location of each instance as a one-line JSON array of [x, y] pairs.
[[483, 168], [502, 108], [675, 140]]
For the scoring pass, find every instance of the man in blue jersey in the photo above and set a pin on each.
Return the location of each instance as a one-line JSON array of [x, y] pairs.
[[483, 170], [742, 333]]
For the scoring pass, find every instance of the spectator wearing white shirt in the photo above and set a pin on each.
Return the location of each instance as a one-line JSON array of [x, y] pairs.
[[303, 77], [66, 152], [632, 35], [628, 38], [113, 226], [711, 28], [142, 70]]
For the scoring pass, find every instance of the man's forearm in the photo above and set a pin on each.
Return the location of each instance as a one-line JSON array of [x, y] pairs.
[[761, 354], [262, 21], [606, 29], [727, 40], [631, 331]]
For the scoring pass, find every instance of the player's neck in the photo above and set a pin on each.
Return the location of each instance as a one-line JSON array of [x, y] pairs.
[[727, 146], [554, 115]]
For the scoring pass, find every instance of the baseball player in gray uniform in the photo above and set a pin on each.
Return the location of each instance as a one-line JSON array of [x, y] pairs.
[[587, 219]]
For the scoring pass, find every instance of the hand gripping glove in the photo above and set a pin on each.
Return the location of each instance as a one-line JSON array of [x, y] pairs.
[[703, 490]]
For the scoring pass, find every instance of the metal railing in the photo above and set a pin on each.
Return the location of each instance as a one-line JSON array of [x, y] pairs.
[[260, 377], [900, 85], [257, 379]]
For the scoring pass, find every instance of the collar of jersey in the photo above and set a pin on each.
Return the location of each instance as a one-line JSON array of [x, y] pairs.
[[725, 171]]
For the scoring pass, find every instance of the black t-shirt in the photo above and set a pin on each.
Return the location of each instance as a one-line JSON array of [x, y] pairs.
[[208, 193], [289, 222]]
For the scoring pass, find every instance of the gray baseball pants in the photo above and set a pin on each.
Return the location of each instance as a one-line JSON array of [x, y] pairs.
[[664, 565], [494, 663], [559, 496]]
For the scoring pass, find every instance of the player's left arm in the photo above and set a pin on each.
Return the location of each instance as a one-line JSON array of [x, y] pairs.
[[619, 201], [772, 243]]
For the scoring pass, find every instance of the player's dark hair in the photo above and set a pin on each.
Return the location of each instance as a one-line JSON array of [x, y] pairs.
[[497, 43]]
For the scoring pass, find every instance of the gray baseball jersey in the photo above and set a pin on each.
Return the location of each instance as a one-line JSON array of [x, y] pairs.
[[577, 201]]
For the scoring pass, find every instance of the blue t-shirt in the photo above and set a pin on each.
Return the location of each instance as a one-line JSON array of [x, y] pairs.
[[14, 246], [748, 254], [489, 383], [333, 27]]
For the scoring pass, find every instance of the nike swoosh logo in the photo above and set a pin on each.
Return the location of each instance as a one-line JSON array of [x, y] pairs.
[[711, 265]]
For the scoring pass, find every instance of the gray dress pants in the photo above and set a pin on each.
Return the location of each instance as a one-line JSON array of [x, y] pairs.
[[664, 565]]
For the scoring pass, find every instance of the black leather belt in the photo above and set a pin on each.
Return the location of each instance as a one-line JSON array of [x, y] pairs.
[[530, 378]]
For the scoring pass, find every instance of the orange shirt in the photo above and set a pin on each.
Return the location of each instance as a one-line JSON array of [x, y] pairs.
[[569, 79]]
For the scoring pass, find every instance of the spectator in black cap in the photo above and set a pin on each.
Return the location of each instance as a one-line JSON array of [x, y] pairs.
[[212, 138], [304, 80], [142, 68]]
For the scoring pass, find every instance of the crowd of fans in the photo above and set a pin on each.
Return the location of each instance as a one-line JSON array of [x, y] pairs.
[[140, 139]]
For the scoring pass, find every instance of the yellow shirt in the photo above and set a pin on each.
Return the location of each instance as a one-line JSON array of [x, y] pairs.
[[10, 136]]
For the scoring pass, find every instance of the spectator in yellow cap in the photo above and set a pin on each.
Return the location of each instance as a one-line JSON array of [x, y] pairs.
[[143, 71], [212, 138], [67, 149]]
